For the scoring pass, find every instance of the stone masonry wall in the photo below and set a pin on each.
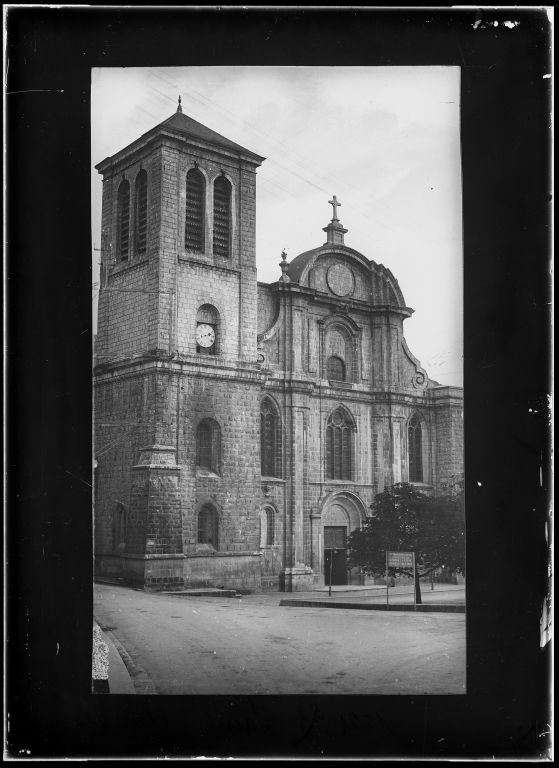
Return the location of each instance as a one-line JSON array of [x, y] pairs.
[[235, 490], [200, 284], [124, 411], [449, 435], [128, 297], [266, 308], [229, 283]]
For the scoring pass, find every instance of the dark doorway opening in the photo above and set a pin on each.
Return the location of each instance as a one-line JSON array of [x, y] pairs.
[[335, 570]]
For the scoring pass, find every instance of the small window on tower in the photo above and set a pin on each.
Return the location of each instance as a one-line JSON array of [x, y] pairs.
[[119, 527], [222, 217], [267, 527], [208, 533], [195, 210], [208, 446], [207, 330]]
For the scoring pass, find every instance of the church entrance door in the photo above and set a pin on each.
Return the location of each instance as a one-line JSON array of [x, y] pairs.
[[335, 571]]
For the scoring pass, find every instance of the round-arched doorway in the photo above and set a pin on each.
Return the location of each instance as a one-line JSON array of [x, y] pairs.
[[341, 515]]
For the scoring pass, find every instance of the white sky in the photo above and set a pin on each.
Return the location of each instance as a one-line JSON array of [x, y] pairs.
[[384, 140]]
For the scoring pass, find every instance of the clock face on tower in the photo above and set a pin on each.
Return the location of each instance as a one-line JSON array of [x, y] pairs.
[[205, 335]]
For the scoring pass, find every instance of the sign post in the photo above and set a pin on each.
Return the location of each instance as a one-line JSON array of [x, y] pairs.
[[403, 561], [414, 582], [387, 579], [331, 551]]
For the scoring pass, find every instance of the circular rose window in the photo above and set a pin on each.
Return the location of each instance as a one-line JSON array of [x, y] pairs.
[[340, 279]]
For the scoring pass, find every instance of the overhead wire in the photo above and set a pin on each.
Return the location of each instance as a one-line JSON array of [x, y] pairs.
[[273, 176], [282, 145], [273, 179]]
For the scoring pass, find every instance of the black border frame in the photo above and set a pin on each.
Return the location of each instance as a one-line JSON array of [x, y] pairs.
[[506, 182]]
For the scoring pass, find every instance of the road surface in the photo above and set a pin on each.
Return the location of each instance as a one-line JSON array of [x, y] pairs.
[[251, 645]]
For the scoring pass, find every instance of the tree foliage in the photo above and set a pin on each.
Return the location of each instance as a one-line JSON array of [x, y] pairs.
[[405, 519]]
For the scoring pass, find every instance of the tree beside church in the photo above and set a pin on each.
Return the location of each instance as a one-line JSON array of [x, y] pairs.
[[406, 519]]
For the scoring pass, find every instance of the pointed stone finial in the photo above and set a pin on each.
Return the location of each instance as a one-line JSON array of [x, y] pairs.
[[179, 108], [284, 267]]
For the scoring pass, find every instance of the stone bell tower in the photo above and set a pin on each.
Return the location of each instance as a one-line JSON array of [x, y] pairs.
[[177, 319]]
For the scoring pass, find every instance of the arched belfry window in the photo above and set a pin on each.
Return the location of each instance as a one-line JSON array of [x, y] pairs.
[[222, 217], [208, 446], [141, 198], [339, 445], [270, 439], [195, 210], [335, 369], [415, 446], [123, 220], [208, 526]]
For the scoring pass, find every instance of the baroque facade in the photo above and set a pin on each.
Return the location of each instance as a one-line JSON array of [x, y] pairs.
[[242, 429]]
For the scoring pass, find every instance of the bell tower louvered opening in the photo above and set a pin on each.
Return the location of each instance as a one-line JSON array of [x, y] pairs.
[[123, 220], [141, 212], [195, 198], [222, 217]]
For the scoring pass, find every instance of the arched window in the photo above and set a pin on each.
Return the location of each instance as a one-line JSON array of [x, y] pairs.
[[123, 220], [415, 450], [270, 439], [119, 527], [339, 446], [195, 209], [335, 369], [141, 198], [208, 445], [207, 330], [208, 526], [340, 344], [267, 527], [222, 217]]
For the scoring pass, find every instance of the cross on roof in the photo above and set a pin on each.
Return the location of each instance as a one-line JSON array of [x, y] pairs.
[[334, 203]]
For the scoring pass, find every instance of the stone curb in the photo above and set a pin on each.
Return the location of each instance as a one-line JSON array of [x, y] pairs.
[[138, 677], [120, 681]]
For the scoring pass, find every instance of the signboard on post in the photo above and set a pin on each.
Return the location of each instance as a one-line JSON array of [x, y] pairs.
[[404, 561], [400, 559]]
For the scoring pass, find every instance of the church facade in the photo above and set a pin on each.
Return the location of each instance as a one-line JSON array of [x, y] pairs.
[[243, 429]]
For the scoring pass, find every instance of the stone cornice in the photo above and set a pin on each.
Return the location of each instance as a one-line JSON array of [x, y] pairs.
[[167, 137]]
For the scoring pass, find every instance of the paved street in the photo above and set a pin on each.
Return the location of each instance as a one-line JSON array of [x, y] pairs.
[[251, 645]]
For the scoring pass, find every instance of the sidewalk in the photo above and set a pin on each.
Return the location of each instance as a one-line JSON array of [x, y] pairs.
[[347, 595], [442, 598], [440, 592]]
